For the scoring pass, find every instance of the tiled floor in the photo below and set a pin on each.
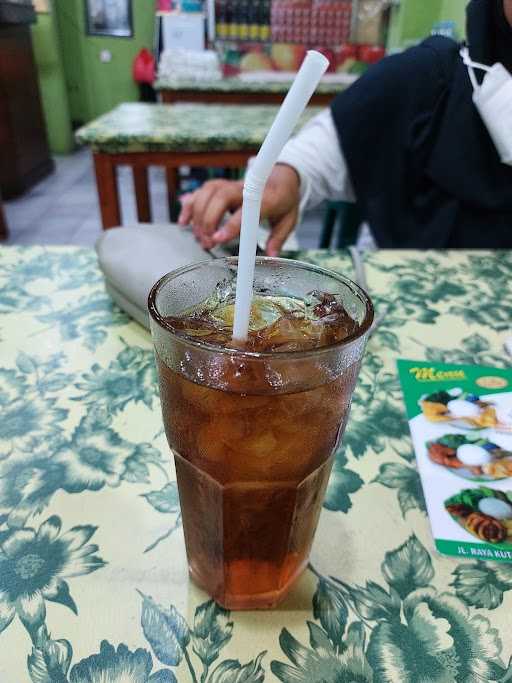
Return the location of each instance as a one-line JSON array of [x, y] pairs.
[[63, 208]]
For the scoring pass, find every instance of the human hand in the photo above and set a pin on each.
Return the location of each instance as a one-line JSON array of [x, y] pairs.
[[205, 209]]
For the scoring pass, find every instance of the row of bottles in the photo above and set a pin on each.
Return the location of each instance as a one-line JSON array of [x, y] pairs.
[[243, 20]]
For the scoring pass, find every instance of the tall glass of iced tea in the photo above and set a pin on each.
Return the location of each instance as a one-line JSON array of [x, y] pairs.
[[254, 428]]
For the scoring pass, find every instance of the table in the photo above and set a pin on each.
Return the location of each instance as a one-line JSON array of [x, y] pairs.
[[93, 578], [143, 135], [240, 91]]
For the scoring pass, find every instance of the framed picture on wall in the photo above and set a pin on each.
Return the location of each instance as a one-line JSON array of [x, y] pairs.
[[41, 6], [109, 18]]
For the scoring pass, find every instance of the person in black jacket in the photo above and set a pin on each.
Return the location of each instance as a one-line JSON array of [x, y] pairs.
[[405, 141]]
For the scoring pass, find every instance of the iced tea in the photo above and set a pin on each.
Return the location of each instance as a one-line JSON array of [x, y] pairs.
[[254, 430]]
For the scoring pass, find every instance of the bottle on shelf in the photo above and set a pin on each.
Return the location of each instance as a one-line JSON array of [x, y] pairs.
[[233, 19], [243, 19], [254, 20], [221, 25]]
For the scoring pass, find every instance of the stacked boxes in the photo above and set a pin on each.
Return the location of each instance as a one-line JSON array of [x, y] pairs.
[[312, 22], [330, 22], [291, 21]]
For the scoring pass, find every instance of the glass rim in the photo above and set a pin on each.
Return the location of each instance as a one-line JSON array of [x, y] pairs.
[[233, 260]]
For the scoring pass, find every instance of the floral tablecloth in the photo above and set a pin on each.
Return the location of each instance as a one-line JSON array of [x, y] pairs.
[[93, 577], [137, 127]]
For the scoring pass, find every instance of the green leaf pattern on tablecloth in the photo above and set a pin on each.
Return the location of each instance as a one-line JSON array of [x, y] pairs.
[[121, 664], [481, 584], [130, 377], [422, 635], [92, 579], [171, 640], [406, 480], [165, 630]]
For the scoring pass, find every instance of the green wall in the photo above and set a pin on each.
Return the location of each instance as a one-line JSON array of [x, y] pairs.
[[70, 34], [455, 10], [412, 20], [94, 86], [52, 85]]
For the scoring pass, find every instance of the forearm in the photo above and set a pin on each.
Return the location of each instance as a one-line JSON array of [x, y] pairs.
[[316, 156]]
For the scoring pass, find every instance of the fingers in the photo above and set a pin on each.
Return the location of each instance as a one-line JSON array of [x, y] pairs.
[[204, 196], [187, 206], [227, 198], [194, 203], [281, 194], [229, 230], [280, 232], [205, 208]]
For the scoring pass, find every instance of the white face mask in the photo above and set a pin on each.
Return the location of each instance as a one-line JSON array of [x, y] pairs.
[[493, 99]]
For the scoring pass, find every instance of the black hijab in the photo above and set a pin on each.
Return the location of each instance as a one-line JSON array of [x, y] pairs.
[[424, 168], [489, 33]]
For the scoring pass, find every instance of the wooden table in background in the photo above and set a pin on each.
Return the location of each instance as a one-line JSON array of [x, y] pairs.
[[143, 135], [241, 91]]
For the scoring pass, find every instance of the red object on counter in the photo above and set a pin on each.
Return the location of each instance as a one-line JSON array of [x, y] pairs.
[[326, 52], [230, 70], [345, 52], [144, 67], [371, 54]]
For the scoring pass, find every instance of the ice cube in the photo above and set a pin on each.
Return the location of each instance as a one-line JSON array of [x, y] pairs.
[[209, 400], [219, 437], [276, 323]]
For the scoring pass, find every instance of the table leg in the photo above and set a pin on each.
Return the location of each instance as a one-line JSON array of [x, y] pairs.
[[172, 192], [140, 181], [168, 97], [108, 195]]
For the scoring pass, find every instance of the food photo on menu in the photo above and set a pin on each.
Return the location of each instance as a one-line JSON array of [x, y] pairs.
[[460, 418], [484, 513], [471, 457]]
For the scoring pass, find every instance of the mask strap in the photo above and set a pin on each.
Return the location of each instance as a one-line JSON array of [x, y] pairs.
[[464, 53]]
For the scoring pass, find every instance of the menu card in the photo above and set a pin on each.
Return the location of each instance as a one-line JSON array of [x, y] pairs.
[[460, 417]]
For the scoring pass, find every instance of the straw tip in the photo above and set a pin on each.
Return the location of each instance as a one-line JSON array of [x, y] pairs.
[[319, 58]]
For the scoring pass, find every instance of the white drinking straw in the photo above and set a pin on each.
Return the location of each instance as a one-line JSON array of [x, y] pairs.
[[303, 87]]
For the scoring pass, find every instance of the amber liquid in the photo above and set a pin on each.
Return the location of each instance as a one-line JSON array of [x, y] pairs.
[[252, 472]]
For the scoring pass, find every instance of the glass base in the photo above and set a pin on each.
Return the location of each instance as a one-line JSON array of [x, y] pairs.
[[254, 600], [248, 542]]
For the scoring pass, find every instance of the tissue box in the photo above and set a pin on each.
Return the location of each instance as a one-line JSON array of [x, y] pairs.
[[184, 31]]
